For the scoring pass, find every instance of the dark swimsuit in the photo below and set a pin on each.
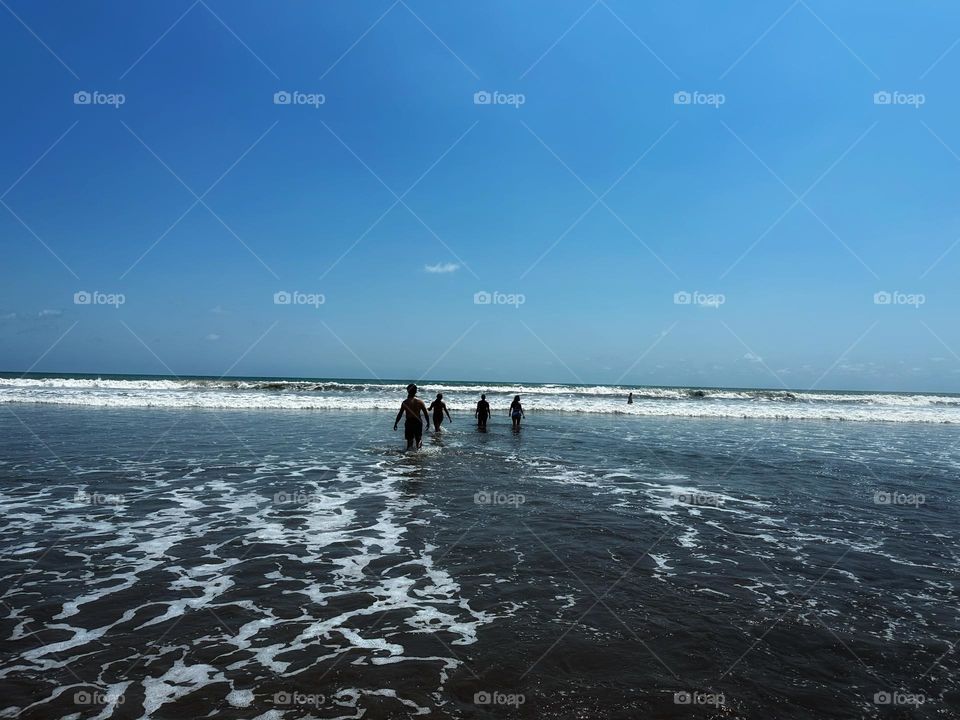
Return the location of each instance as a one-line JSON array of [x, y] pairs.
[[413, 428]]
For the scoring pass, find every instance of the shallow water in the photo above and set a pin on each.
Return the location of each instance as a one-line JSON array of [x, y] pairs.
[[284, 564]]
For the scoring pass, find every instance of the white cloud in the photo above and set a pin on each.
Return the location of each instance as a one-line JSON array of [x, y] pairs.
[[49, 313], [750, 357], [212, 337], [218, 310], [442, 268]]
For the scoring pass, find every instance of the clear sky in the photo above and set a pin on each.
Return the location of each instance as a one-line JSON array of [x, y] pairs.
[[782, 197]]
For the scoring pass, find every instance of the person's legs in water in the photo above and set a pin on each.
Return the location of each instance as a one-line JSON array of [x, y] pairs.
[[437, 420], [413, 430]]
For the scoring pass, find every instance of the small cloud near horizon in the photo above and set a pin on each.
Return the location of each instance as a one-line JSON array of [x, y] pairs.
[[442, 268], [750, 357], [212, 337], [218, 310], [49, 313]]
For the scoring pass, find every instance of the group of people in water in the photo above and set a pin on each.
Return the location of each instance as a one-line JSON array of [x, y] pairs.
[[413, 406]]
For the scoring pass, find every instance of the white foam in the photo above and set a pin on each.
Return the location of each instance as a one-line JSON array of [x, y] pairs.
[[240, 698], [179, 680], [331, 395]]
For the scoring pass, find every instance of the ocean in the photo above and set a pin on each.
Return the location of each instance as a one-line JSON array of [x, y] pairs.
[[263, 548]]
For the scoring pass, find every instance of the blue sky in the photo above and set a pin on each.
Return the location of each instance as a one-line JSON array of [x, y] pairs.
[[782, 198]]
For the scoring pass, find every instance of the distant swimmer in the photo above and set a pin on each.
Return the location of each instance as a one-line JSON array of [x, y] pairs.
[[482, 413], [439, 407], [630, 399], [516, 412], [412, 407]]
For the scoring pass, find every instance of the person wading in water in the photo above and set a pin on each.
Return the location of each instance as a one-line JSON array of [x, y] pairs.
[[482, 412], [439, 407], [516, 412], [412, 407]]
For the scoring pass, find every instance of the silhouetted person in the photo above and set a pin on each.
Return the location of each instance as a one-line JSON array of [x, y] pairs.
[[516, 412], [630, 399], [412, 406], [482, 412], [439, 407]]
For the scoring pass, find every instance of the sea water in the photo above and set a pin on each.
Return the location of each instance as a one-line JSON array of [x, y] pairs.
[[169, 555]]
